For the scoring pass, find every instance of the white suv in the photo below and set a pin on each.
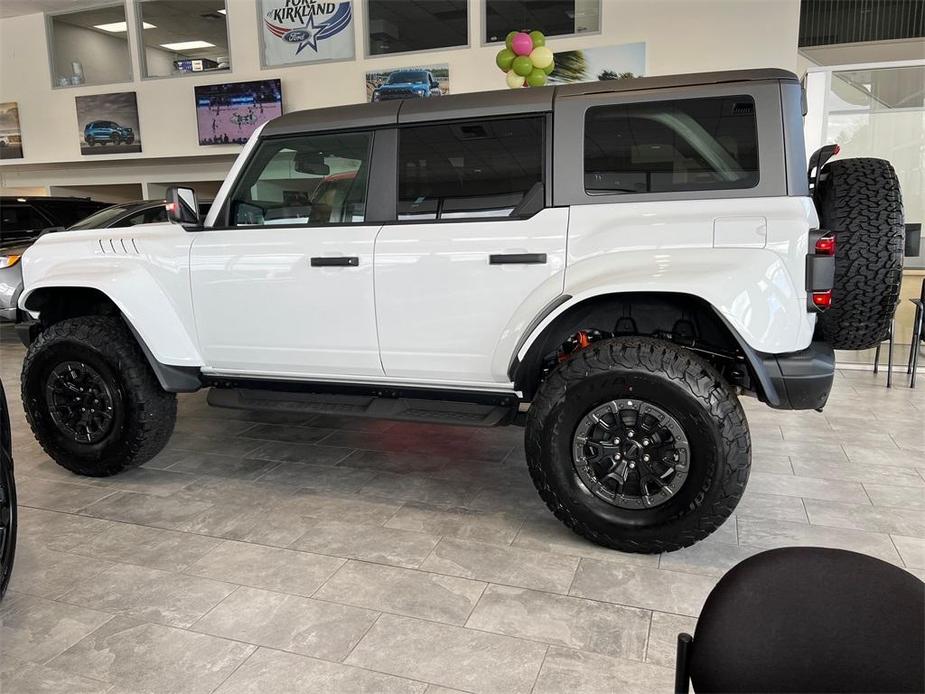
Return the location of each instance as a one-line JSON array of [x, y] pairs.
[[625, 257]]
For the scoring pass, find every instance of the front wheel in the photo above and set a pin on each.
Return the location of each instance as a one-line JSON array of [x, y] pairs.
[[92, 400], [638, 445]]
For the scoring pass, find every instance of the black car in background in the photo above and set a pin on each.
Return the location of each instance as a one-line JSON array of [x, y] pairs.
[[7, 498], [23, 218]]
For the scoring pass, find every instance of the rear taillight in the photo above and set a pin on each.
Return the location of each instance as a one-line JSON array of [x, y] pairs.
[[825, 247]]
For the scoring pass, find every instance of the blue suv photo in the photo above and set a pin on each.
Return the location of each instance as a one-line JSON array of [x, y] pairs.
[[103, 131], [404, 84]]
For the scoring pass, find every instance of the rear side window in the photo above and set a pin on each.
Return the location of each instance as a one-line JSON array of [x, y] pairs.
[[21, 218], [671, 146], [474, 169]]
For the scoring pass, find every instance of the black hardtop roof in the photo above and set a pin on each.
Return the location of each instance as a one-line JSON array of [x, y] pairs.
[[493, 103]]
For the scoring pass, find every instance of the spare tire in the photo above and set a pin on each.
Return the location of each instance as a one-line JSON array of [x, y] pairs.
[[860, 203]]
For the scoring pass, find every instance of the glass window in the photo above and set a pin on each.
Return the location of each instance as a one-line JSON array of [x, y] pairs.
[[182, 37], [312, 179], [552, 17], [471, 169], [669, 146], [155, 214], [21, 218], [423, 25], [89, 47]]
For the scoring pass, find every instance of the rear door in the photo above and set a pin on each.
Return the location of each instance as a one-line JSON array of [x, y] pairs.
[[475, 251]]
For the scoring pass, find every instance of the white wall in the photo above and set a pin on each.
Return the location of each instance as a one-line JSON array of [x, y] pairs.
[[680, 36], [104, 58]]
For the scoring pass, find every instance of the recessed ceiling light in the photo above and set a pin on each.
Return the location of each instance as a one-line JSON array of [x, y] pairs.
[[222, 11], [118, 27], [187, 45]]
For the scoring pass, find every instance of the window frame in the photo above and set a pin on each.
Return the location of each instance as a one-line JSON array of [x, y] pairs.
[[571, 110], [368, 55], [483, 28], [224, 219], [50, 44], [546, 173], [143, 59]]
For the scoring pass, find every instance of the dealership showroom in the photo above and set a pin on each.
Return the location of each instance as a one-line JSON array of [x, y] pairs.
[[448, 346]]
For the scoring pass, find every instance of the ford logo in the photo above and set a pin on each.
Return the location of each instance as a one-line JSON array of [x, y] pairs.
[[295, 36]]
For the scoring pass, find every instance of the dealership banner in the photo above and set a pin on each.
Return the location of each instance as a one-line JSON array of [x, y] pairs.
[[306, 31]]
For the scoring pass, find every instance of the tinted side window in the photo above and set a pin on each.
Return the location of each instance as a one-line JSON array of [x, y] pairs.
[[470, 169], [308, 179], [21, 218], [669, 146]]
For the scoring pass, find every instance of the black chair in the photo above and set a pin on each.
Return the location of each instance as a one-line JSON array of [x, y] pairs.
[[808, 619], [917, 336], [889, 355]]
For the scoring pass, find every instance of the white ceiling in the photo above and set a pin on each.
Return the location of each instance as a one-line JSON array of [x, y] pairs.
[[14, 8]]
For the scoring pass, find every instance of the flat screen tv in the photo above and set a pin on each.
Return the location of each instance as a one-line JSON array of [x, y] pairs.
[[229, 113]]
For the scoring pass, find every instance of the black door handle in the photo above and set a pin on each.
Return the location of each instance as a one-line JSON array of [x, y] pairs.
[[338, 261], [517, 259]]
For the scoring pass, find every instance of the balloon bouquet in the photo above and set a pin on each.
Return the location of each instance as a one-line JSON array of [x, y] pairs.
[[526, 59]]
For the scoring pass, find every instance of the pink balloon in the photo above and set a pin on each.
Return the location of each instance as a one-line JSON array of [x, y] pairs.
[[522, 44]]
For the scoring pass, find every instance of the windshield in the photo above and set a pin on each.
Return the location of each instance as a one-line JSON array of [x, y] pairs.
[[99, 220], [407, 76]]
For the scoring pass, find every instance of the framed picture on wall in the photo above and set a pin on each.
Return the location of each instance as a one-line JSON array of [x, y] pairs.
[[423, 81], [10, 135], [305, 31], [230, 113], [108, 123], [624, 61]]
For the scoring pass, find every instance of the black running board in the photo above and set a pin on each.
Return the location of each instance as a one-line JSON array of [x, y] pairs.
[[493, 410]]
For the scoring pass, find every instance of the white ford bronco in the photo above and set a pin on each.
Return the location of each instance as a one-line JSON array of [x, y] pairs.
[[611, 264]]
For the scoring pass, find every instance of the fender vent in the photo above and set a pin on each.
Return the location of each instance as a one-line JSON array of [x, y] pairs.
[[118, 246]]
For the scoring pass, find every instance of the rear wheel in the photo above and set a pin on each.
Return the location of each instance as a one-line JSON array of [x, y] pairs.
[[638, 445], [91, 398], [860, 203]]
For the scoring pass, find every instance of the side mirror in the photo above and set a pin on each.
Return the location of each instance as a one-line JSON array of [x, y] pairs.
[[182, 207]]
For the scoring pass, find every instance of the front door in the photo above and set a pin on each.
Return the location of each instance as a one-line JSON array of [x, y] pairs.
[[287, 288], [474, 253]]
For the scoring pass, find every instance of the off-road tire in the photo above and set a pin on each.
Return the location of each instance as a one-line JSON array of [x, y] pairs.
[[672, 378], [146, 412], [860, 202]]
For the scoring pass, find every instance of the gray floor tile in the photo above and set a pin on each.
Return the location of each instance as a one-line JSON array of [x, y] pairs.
[[912, 551], [36, 629], [772, 464], [403, 591], [807, 487], [369, 543], [772, 534], [287, 433], [882, 455], [22, 677], [480, 526], [152, 547], [662, 649], [288, 452], [221, 466], [860, 472], [57, 496], [772, 506], [891, 495], [876, 519], [707, 557], [146, 481], [143, 509], [627, 584], [282, 570], [288, 622], [347, 508], [318, 477], [153, 659], [46, 573], [282, 673], [563, 621], [454, 657], [506, 565], [222, 445], [420, 489], [576, 672], [149, 594], [58, 531]]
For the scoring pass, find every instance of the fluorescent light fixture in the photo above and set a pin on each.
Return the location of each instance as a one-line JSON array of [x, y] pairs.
[[187, 45], [119, 27], [222, 11]]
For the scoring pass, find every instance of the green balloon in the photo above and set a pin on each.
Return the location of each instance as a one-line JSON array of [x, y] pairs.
[[509, 39], [522, 65], [537, 78], [538, 38], [504, 58], [549, 68]]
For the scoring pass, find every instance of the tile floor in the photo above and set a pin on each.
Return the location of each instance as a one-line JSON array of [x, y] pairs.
[[272, 553]]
